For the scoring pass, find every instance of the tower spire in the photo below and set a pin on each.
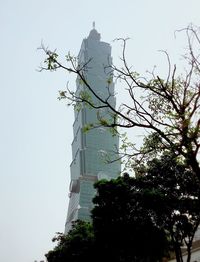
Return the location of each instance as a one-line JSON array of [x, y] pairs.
[[94, 35]]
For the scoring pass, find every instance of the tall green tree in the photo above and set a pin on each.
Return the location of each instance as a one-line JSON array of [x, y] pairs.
[[168, 108]]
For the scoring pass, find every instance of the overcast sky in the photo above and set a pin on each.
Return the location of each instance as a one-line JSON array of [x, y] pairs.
[[36, 129]]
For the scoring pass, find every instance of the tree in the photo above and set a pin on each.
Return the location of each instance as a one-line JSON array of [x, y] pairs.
[[168, 108], [77, 245], [165, 196], [138, 218], [113, 234], [171, 185], [124, 228]]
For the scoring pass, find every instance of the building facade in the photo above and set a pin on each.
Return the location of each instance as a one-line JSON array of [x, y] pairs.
[[89, 149]]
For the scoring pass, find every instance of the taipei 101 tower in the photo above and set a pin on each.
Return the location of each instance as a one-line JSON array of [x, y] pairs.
[[90, 148]]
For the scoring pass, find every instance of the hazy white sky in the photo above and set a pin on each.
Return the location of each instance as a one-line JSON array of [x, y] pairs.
[[36, 129]]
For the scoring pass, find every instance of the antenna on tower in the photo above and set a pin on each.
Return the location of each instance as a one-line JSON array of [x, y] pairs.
[[93, 25]]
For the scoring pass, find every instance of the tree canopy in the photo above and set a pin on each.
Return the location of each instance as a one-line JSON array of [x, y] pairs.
[[123, 227], [173, 195], [76, 246], [140, 214]]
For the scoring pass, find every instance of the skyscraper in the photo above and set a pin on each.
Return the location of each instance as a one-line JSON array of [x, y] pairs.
[[90, 148]]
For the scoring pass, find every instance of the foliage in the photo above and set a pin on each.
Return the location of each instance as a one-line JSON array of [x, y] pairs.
[[76, 246], [140, 213], [120, 239], [170, 184], [138, 218], [128, 233]]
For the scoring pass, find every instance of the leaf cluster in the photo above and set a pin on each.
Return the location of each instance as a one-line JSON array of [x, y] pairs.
[[76, 246], [158, 209]]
